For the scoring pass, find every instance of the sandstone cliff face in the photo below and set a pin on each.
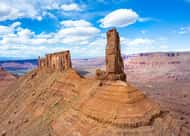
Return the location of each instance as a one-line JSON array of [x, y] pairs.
[[56, 61], [114, 61]]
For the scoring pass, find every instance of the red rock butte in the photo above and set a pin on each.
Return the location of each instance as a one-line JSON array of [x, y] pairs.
[[56, 61]]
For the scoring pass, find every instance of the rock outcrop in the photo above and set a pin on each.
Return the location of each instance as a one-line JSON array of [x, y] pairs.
[[56, 61], [114, 61]]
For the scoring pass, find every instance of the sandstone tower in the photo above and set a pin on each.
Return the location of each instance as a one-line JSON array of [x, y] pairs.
[[117, 102], [58, 61], [114, 61]]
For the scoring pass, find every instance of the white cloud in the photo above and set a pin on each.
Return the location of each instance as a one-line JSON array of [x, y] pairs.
[[4, 30], [71, 7], [34, 9], [13, 9], [17, 41], [76, 23], [119, 18], [76, 31], [15, 24]]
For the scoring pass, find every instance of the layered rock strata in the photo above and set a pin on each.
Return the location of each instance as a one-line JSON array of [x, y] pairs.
[[56, 61], [121, 105]]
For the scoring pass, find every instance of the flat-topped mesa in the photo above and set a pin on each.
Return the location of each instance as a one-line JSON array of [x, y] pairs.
[[58, 61], [114, 61]]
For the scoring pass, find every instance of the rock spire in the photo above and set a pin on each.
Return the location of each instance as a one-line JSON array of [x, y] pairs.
[[114, 61]]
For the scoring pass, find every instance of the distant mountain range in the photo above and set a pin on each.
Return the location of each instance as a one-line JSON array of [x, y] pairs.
[[18, 67]]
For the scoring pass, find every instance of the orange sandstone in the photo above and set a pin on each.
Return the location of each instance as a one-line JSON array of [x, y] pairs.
[[56, 61]]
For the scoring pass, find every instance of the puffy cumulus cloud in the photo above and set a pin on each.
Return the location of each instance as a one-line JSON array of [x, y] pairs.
[[13, 9], [78, 28], [70, 32], [71, 7], [119, 18], [34, 9], [17, 41], [77, 31], [6, 30], [76, 23]]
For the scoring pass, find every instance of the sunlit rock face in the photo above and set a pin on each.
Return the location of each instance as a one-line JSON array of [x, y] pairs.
[[56, 61], [121, 105], [114, 61]]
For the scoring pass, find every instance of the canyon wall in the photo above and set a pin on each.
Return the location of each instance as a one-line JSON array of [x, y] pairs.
[[158, 66]]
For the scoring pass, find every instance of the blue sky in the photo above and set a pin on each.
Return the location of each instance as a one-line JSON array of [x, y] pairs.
[[29, 28]]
